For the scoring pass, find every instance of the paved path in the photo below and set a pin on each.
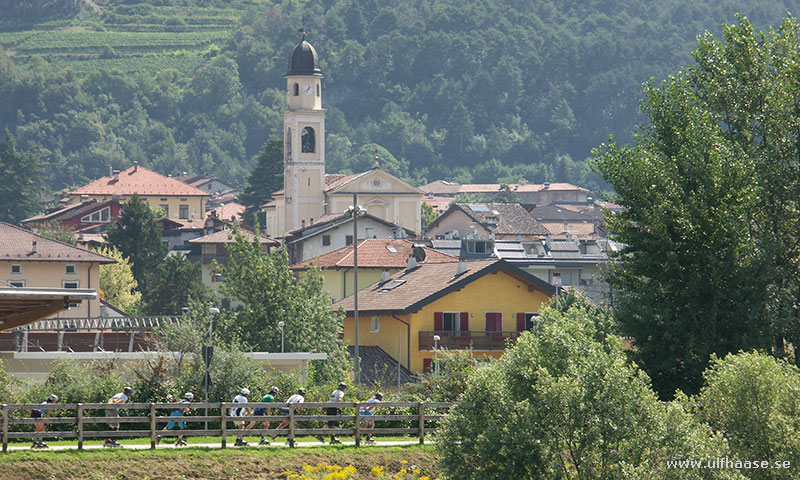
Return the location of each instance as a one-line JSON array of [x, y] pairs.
[[167, 444]]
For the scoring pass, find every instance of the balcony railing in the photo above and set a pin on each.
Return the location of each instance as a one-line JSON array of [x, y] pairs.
[[478, 340]]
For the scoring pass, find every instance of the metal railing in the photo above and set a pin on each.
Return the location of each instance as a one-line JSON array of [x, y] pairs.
[[101, 323], [478, 340], [420, 416]]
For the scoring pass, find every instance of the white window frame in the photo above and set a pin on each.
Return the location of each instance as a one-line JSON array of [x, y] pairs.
[[76, 282], [74, 269], [376, 324], [100, 217], [21, 269], [18, 283]]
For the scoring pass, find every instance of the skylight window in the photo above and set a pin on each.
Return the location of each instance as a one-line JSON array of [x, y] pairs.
[[479, 208], [391, 249], [392, 285]]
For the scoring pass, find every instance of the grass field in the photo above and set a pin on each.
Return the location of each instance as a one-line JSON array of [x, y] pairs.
[[130, 38], [206, 463]]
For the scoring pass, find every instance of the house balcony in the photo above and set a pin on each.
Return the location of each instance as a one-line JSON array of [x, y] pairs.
[[478, 340]]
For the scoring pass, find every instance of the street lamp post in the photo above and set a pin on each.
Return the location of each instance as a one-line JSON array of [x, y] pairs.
[[436, 339], [212, 311], [281, 324], [355, 211]]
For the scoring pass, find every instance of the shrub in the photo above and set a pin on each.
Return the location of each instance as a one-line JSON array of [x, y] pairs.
[[755, 400], [565, 404]]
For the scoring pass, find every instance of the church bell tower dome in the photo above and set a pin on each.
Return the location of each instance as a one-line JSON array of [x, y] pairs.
[[304, 60]]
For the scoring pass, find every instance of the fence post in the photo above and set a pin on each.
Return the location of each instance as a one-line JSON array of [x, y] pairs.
[[5, 427], [291, 425], [152, 425], [224, 425], [421, 423], [358, 424], [80, 426]]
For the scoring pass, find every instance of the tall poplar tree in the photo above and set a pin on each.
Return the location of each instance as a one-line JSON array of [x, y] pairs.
[[266, 178], [711, 225]]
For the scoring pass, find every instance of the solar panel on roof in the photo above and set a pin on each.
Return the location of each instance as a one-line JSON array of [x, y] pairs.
[[479, 208]]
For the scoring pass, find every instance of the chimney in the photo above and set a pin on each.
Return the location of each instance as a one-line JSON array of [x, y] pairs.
[[419, 253], [135, 167], [84, 197], [385, 277], [412, 264], [461, 269], [547, 241], [33, 247], [116, 175]]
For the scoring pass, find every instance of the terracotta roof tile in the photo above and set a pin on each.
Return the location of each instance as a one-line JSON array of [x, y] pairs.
[[374, 253], [228, 211], [226, 236], [17, 244], [138, 179]]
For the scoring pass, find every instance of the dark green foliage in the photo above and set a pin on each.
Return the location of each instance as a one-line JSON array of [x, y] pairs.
[[266, 177], [173, 283], [19, 194], [138, 236], [755, 400], [428, 215], [566, 403], [486, 92], [710, 226], [56, 231], [271, 293]]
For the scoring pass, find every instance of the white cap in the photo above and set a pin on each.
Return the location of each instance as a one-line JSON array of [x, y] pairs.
[[245, 391], [189, 396]]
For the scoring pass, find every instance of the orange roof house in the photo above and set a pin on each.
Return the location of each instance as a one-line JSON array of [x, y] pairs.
[[178, 200], [376, 258]]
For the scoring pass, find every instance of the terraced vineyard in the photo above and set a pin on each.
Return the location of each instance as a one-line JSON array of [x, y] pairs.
[[130, 38]]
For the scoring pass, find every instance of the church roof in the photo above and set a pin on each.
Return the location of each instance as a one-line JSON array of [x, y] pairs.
[[304, 60]]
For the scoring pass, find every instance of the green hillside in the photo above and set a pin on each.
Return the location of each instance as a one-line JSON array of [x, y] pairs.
[[476, 92]]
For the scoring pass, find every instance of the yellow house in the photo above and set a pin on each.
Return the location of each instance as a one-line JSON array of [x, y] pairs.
[[480, 304], [376, 257], [30, 260], [178, 200]]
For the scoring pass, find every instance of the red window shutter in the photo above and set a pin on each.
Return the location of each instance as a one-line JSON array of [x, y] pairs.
[[520, 322], [494, 322], [464, 321], [426, 365], [438, 321]]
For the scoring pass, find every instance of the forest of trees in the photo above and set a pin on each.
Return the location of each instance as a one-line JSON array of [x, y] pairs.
[[487, 91]]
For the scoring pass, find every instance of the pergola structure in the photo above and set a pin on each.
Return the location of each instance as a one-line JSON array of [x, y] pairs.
[[22, 306]]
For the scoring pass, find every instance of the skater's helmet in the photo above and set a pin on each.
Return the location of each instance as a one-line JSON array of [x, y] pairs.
[[52, 398], [128, 390], [273, 390], [245, 391], [342, 386], [379, 396], [301, 391], [189, 396]]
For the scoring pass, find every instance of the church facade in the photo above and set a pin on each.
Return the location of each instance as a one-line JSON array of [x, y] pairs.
[[309, 195]]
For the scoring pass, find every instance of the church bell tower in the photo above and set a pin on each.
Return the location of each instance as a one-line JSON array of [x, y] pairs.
[[304, 139]]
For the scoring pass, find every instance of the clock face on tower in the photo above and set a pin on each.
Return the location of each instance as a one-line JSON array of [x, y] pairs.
[[308, 89]]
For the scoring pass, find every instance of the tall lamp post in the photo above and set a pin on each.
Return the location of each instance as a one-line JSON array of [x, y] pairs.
[[355, 211], [208, 351], [436, 339], [281, 324]]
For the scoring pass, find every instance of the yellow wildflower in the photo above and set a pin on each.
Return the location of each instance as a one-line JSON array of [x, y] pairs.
[[377, 471]]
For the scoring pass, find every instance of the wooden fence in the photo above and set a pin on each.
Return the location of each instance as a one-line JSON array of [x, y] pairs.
[[420, 416]]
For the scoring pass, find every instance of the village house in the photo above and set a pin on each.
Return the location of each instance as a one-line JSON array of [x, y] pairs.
[[31, 260], [478, 304], [178, 201]]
